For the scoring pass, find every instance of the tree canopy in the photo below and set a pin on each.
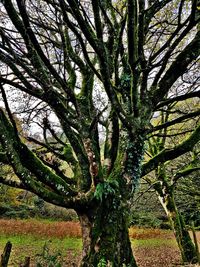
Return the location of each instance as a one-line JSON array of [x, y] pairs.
[[91, 75]]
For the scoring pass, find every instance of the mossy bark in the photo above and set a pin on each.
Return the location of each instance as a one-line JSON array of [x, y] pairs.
[[105, 237], [177, 223]]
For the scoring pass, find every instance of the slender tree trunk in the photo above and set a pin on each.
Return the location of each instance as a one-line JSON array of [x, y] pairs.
[[105, 237], [177, 223]]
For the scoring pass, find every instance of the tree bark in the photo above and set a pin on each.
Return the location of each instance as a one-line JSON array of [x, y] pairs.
[[105, 237], [177, 223]]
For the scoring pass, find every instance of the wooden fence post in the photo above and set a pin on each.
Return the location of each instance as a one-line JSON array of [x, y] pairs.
[[26, 262], [6, 255]]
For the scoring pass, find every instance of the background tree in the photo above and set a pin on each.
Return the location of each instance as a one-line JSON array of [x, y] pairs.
[[57, 58], [165, 184], [165, 178], [187, 198]]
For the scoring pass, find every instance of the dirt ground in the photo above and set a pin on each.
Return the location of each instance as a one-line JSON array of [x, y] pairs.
[[163, 256], [146, 256]]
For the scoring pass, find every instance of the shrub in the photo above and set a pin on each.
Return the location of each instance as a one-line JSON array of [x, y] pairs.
[[49, 258], [145, 219]]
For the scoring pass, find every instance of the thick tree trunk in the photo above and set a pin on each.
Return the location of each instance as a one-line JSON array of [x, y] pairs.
[[105, 237], [177, 223], [105, 234]]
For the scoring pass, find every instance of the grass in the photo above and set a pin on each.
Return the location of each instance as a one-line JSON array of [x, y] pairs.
[[70, 243], [28, 238], [29, 245], [152, 247], [70, 248], [153, 242], [35, 243]]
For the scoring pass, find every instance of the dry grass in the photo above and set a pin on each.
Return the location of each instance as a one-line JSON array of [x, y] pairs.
[[148, 233], [68, 229], [39, 228]]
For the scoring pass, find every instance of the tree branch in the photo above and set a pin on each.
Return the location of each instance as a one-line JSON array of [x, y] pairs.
[[132, 26], [85, 27], [178, 99], [12, 183], [176, 121], [169, 154], [187, 171], [178, 67], [23, 160]]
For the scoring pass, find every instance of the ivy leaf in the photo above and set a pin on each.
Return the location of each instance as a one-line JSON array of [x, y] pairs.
[[99, 191]]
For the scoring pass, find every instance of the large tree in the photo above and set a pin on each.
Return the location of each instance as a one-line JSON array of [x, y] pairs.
[[92, 74]]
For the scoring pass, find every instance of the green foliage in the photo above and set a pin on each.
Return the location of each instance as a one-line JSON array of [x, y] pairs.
[[48, 258], [125, 80], [146, 219], [9, 195], [188, 199], [17, 204], [51, 211], [102, 263], [16, 212], [105, 189]]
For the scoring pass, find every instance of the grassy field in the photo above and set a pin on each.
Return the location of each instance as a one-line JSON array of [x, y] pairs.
[[53, 243]]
